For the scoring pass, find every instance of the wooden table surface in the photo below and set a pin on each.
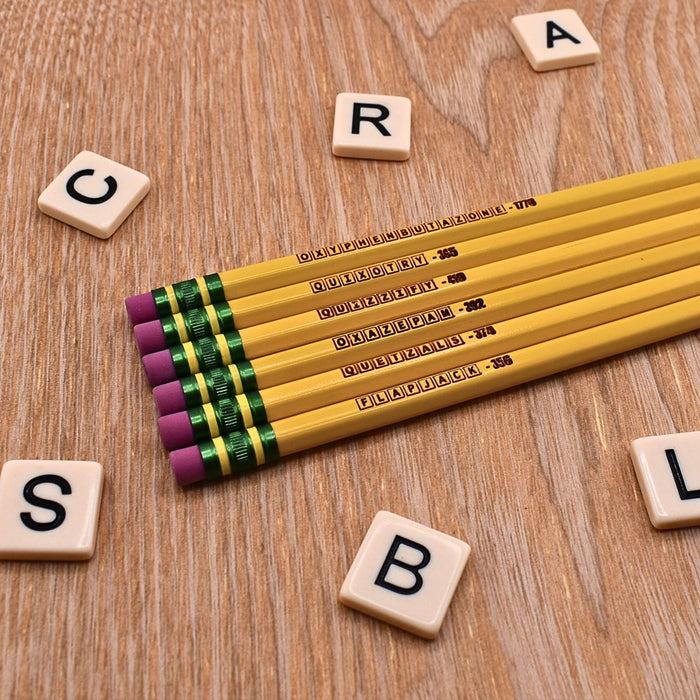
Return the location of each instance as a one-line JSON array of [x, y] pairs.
[[230, 589]]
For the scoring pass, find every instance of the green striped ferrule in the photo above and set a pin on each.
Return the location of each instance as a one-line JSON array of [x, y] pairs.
[[256, 405], [208, 353], [205, 354], [162, 302], [215, 287], [171, 331], [246, 374], [240, 448], [191, 392], [226, 416], [189, 294], [211, 420], [269, 442], [234, 343], [180, 358], [240, 454], [195, 357], [221, 384], [199, 324], [217, 384]]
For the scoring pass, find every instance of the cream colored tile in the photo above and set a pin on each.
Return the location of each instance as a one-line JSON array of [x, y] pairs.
[[372, 126], [668, 470], [94, 194], [49, 509], [405, 574], [556, 39]]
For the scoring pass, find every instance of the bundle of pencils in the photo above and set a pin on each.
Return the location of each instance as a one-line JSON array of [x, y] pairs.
[[274, 358]]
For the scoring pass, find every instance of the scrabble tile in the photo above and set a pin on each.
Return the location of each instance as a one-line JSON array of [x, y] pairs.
[[668, 470], [94, 194], [49, 509], [372, 126], [405, 574], [556, 39]]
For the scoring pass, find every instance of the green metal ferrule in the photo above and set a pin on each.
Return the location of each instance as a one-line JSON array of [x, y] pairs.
[[224, 315], [228, 415], [247, 376], [257, 408], [197, 324], [190, 389], [208, 353], [215, 287], [162, 302], [235, 346], [199, 423], [170, 330], [220, 384], [180, 361], [269, 442], [187, 294], [241, 452]]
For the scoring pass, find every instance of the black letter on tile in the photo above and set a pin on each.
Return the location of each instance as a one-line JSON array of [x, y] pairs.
[[70, 187], [563, 34], [376, 120], [35, 500], [678, 477], [414, 568]]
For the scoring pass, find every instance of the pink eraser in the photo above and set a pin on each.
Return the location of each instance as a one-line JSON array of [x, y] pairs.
[[176, 431], [188, 466], [141, 308], [159, 367], [170, 398], [150, 337]]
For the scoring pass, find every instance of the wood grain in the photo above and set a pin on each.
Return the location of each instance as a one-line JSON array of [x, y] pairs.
[[230, 589]]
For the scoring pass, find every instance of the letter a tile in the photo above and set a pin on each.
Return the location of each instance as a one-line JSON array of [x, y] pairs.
[[405, 574], [94, 194], [557, 39], [668, 470], [49, 509], [372, 126]]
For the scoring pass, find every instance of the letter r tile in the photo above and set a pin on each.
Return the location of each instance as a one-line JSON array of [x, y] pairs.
[[405, 574], [372, 126], [94, 194], [49, 509], [668, 471]]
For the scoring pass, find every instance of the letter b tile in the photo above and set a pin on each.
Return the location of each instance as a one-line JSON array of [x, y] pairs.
[[49, 509], [405, 574], [94, 194]]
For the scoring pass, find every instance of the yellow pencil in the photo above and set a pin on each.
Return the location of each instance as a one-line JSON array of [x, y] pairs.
[[335, 289], [330, 260], [303, 395], [244, 450], [234, 346], [391, 337]]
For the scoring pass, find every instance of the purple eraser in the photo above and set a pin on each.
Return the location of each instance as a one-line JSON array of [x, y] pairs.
[[188, 466], [176, 431], [159, 367], [170, 398], [141, 308], [150, 337]]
